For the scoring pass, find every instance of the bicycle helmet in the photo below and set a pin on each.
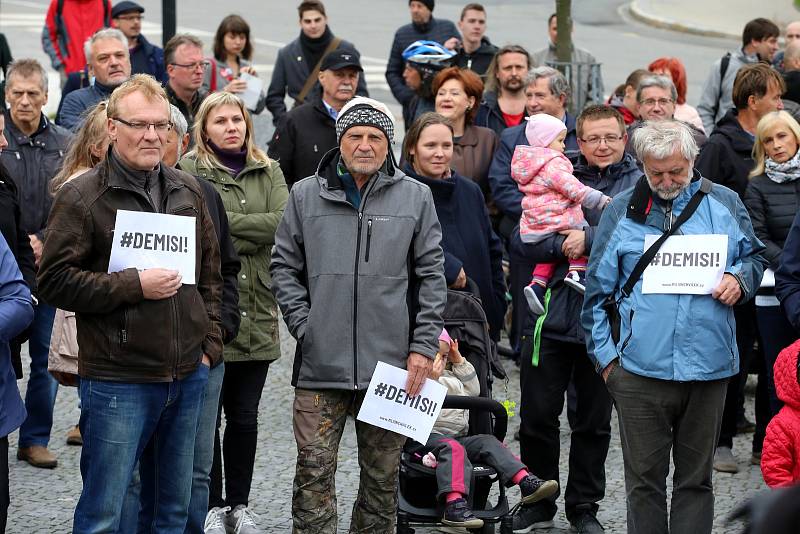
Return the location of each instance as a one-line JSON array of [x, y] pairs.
[[428, 53]]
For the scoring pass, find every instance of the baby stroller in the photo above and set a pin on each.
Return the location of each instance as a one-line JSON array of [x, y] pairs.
[[465, 321]]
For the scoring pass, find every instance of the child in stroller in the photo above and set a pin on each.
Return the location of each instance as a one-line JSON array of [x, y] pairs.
[[451, 450]]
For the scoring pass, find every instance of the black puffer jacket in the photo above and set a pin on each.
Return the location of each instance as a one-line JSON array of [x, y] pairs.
[[772, 207], [479, 60], [727, 157]]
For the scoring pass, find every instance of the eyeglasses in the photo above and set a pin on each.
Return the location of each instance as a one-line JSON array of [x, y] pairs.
[[202, 65], [596, 140], [159, 127], [131, 18], [650, 102]]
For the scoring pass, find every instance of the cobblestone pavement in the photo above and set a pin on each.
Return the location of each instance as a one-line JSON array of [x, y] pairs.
[[42, 501]]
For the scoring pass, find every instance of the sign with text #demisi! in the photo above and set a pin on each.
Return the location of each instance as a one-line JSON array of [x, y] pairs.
[[386, 404], [686, 264], [146, 240]]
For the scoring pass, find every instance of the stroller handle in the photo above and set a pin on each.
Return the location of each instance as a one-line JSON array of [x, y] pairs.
[[461, 402]]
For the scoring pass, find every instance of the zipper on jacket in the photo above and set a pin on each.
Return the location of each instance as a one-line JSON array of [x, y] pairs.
[[355, 281], [630, 334], [123, 334], [668, 217], [369, 239]]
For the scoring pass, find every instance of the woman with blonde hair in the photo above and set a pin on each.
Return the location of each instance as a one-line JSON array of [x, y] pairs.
[[254, 193], [87, 149], [772, 198]]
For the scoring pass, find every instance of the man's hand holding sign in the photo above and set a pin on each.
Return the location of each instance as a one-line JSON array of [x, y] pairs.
[[728, 291]]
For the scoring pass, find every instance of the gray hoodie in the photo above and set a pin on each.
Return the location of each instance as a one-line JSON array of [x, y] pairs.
[[358, 286], [715, 100]]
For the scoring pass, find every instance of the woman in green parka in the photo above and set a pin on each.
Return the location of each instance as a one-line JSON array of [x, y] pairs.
[[254, 193]]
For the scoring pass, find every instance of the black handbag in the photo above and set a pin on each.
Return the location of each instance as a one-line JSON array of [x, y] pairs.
[[611, 304]]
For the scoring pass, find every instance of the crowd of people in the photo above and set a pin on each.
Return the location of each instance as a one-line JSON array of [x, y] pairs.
[[555, 215]]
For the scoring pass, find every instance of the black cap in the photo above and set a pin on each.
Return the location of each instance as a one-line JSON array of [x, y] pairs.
[[125, 7], [340, 59]]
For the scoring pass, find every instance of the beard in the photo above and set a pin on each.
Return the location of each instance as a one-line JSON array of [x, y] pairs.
[[512, 84], [667, 193]]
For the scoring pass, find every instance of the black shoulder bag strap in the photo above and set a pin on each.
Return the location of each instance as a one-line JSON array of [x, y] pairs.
[[611, 305]]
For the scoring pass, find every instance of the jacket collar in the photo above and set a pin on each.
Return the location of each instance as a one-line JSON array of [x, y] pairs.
[[330, 183], [470, 137], [20, 137], [642, 198], [120, 180]]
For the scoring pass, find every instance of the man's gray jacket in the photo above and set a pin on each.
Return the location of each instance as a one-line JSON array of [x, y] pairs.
[[716, 99], [358, 286], [581, 75]]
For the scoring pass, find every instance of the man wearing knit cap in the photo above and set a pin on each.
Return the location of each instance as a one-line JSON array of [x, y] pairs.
[[423, 27], [358, 272]]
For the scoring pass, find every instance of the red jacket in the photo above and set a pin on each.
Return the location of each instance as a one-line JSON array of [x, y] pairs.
[[79, 20], [780, 460]]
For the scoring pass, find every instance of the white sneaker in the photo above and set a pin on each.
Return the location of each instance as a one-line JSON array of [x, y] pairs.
[[243, 520], [215, 521]]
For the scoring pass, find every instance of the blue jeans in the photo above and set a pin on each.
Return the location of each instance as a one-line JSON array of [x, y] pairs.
[[40, 398], [204, 451], [122, 424]]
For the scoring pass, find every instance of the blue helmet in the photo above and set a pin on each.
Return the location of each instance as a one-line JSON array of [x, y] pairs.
[[428, 53]]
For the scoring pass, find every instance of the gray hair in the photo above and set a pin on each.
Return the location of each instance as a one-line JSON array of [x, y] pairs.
[[179, 124], [105, 33], [792, 51], [26, 68], [558, 83], [656, 81], [660, 140]]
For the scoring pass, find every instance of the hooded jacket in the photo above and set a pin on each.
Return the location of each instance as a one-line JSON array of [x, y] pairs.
[[780, 459], [562, 321], [16, 313], [479, 60], [65, 33], [358, 286], [679, 337], [727, 156], [505, 192], [459, 379], [716, 99]]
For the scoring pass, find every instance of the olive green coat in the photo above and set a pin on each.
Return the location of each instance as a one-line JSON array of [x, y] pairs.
[[254, 202]]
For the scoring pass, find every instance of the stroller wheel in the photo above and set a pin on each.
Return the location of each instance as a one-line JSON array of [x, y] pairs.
[[507, 524], [487, 528]]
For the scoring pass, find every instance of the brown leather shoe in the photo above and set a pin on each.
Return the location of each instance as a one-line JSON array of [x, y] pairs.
[[74, 436], [37, 456]]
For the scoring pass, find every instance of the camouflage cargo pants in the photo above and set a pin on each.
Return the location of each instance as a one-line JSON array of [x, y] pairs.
[[319, 420]]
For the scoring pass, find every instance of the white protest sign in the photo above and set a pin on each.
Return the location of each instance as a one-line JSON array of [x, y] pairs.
[[146, 240], [251, 95], [387, 405], [686, 264]]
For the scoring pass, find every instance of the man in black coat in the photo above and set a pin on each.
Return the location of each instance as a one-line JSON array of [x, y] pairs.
[[309, 131], [297, 60], [423, 27], [727, 159]]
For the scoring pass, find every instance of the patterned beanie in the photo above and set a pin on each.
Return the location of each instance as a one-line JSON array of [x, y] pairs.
[[363, 111]]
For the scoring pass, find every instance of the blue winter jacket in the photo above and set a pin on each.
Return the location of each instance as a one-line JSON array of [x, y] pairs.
[[16, 313], [665, 336], [78, 102]]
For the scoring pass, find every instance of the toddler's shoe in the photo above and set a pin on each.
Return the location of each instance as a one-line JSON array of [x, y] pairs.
[[534, 294], [576, 279], [458, 514], [535, 489]]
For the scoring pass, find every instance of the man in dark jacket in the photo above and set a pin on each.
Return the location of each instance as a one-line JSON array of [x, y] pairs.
[[146, 58], [727, 159], [791, 72], [546, 91], [147, 339], [298, 60], [186, 66], [475, 51], [35, 152], [110, 64], [309, 131], [422, 27], [556, 353], [503, 104], [395, 290]]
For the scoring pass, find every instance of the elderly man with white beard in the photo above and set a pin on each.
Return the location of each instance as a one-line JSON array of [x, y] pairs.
[[661, 331]]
